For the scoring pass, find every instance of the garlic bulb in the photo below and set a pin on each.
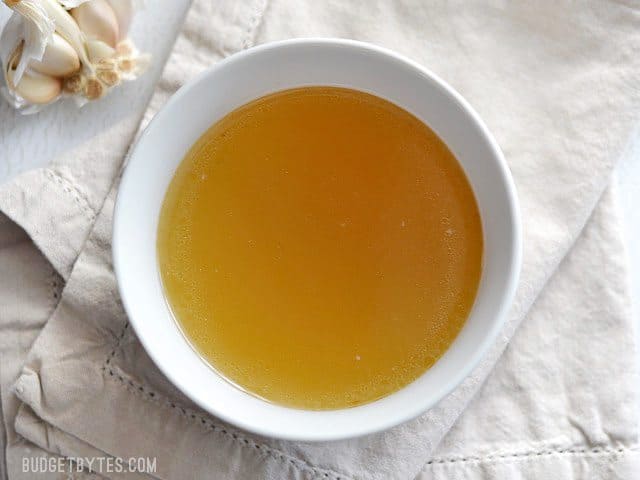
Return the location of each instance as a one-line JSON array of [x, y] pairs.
[[67, 48]]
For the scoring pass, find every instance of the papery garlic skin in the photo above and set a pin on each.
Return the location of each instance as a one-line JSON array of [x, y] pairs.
[[31, 24], [12, 40]]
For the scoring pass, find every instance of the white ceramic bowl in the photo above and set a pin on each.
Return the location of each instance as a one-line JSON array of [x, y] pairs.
[[251, 74]]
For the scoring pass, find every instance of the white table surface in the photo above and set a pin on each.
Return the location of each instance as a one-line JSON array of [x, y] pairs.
[[31, 141]]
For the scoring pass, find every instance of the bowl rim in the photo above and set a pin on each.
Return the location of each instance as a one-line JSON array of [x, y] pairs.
[[514, 261]]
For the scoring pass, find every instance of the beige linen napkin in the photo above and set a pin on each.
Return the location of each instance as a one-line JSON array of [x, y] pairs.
[[555, 83]]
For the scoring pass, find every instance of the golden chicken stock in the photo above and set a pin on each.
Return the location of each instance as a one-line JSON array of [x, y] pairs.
[[320, 247]]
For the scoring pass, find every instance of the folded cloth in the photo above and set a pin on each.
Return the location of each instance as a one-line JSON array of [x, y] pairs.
[[562, 400], [555, 83]]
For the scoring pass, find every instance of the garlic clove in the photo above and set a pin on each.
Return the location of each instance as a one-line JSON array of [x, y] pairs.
[[93, 89], [59, 59], [98, 21], [34, 87], [125, 47], [74, 84], [124, 13], [126, 64], [108, 74], [98, 50]]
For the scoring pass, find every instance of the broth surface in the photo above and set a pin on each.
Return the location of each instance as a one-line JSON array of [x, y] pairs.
[[320, 247]]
